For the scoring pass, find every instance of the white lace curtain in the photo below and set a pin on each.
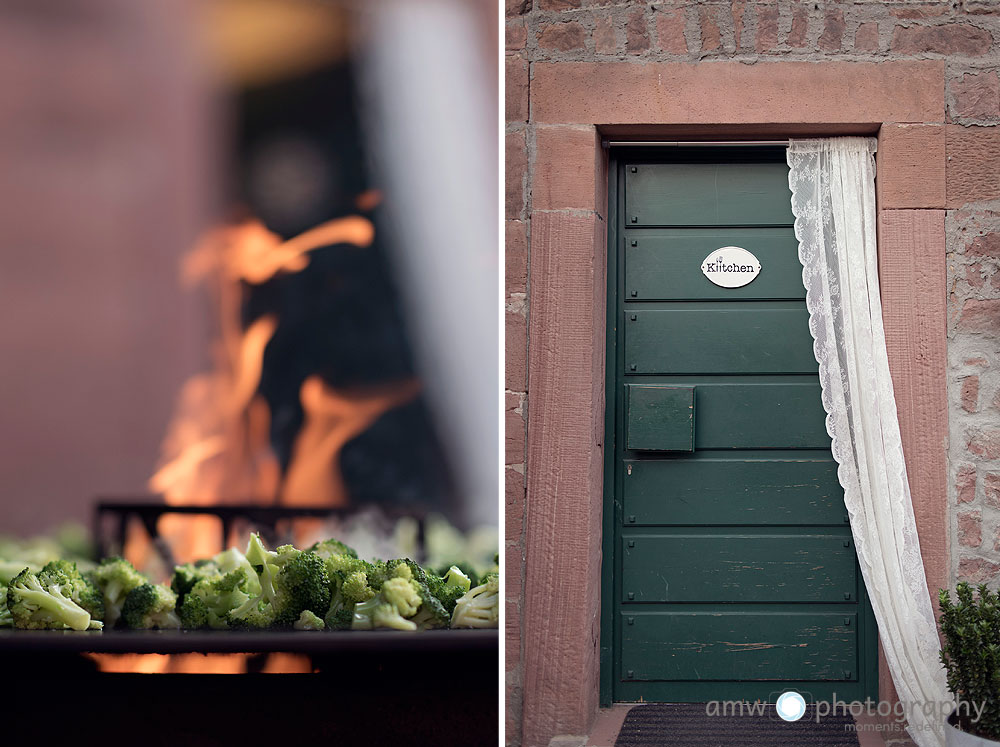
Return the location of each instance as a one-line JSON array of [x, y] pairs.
[[833, 198]]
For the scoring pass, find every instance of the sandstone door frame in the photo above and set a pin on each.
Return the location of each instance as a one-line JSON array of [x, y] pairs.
[[574, 108]]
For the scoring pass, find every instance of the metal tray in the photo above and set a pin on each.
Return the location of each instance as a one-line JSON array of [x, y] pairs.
[[229, 641]]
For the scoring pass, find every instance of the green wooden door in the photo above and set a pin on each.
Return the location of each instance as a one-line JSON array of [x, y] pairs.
[[730, 571]]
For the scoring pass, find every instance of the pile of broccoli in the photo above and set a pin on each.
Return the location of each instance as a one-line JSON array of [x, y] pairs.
[[324, 587]]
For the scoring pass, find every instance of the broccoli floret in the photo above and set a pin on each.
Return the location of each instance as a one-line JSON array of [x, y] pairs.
[[208, 604], [330, 547], [302, 584], [34, 604], [187, 575], [255, 614], [455, 577], [116, 577], [150, 606], [193, 612], [398, 598], [480, 606], [432, 613], [347, 589], [448, 589], [290, 581], [308, 621], [340, 618], [6, 621], [345, 564], [64, 574], [355, 588], [467, 570], [381, 571]]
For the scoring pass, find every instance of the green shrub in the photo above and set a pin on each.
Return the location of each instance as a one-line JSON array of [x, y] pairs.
[[971, 655]]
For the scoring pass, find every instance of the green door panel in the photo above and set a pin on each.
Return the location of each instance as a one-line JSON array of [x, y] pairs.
[[708, 194], [759, 416], [739, 645], [738, 568], [660, 418], [747, 491], [665, 264], [747, 339], [729, 568]]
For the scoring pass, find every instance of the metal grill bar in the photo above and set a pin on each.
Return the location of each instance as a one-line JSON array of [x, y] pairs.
[[265, 518]]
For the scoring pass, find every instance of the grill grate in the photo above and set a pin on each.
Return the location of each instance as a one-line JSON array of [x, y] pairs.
[[265, 519]]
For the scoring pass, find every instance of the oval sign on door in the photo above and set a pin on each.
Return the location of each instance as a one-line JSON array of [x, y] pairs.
[[730, 267]]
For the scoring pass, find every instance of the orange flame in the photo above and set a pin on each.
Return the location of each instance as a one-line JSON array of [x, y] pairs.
[[217, 446], [332, 419]]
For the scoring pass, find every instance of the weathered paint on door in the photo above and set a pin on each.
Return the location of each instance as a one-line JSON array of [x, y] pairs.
[[733, 570]]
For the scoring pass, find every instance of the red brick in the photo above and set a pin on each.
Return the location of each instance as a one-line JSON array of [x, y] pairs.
[[980, 316], [832, 37], [558, 5], [767, 28], [950, 39], [516, 256], [605, 41], [965, 483], [921, 11], [970, 529], [517, 34], [866, 38], [517, 7], [970, 393], [516, 352], [784, 92], [800, 28], [563, 37], [670, 32], [565, 174], [985, 444], [513, 504], [987, 245], [979, 362], [514, 437], [977, 570], [911, 166], [981, 6], [711, 39], [738, 7], [516, 89], [977, 96], [516, 167], [974, 275], [991, 489], [973, 153], [636, 33]]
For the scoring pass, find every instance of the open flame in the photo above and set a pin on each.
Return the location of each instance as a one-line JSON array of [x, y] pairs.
[[217, 446]]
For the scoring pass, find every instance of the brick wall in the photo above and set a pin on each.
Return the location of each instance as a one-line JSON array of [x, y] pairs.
[[965, 34]]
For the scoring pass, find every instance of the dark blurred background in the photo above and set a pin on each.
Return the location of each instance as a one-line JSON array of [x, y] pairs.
[[128, 130]]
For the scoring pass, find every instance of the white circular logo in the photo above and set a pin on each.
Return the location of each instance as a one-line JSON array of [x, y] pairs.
[[731, 267], [790, 706]]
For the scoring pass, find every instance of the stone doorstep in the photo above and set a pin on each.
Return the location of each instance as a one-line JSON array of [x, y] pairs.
[[609, 722]]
